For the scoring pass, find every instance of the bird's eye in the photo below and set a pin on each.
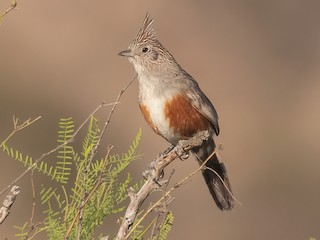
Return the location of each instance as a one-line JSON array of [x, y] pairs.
[[145, 49]]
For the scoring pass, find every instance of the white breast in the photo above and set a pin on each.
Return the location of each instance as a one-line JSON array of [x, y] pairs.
[[154, 94]]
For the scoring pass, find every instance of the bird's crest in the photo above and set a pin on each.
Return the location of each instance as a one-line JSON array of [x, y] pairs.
[[146, 31]]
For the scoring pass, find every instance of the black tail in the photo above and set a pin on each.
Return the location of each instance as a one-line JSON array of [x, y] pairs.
[[220, 190]]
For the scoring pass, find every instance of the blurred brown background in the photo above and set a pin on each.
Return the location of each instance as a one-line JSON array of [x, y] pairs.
[[258, 61]]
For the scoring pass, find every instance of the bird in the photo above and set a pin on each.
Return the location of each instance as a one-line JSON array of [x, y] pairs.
[[175, 107]]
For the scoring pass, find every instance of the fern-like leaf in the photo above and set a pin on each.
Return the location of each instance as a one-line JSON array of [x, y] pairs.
[[65, 154], [27, 161], [98, 187], [166, 227], [91, 138]]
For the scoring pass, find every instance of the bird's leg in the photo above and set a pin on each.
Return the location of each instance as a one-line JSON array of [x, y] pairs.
[[184, 155]]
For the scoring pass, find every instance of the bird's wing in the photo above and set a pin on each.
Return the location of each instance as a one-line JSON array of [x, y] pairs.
[[202, 103]]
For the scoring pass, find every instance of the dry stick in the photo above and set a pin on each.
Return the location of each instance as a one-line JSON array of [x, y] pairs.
[[98, 183], [224, 184], [54, 149], [202, 166], [95, 148], [7, 203], [153, 223], [13, 6], [84, 201], [165, 209], [77, 214], [33, 199], [32, 225], [17, 127], [93, 153], [154, 173]]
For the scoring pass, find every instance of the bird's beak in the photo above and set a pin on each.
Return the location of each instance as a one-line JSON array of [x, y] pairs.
[[126, 53]]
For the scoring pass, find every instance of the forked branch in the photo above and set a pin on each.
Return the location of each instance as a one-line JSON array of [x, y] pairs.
[[153, 175]]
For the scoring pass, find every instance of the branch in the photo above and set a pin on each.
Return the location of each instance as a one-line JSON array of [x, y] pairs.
[[96, 146], [7, 203], [84, 201], [56, 148], [92, 155], [13, 6], [153, 175], [4, 211], [18, 127], [167, 193]]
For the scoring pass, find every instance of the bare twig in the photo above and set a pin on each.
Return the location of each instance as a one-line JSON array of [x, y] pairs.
[[18, 127], [13, 6], [7, 203], [56, 148], [164, 209], [153, 175], [224, 184], [33, 199], [31, 224], [92, 154], [95, 148], [96, 186], [79, 212]]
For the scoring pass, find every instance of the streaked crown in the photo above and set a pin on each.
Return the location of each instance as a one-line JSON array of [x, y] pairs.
[[146, 31], [146, 53]]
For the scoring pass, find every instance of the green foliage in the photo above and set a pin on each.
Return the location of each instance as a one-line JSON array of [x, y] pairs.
[[66, 153], [166, 227], [87, 191], [96, 192], [161, 232], [61, 169]]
